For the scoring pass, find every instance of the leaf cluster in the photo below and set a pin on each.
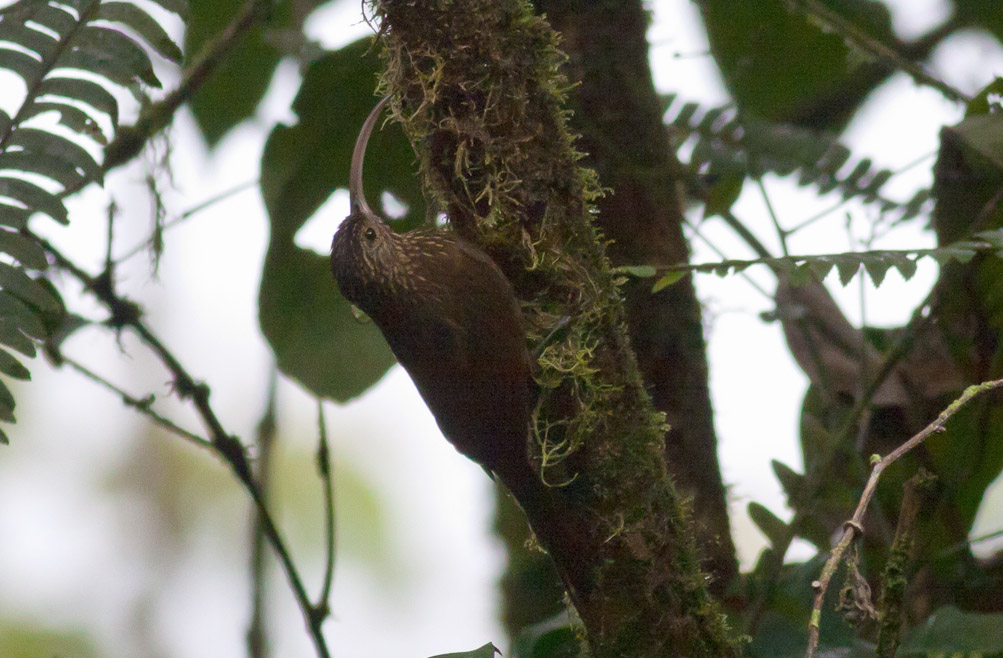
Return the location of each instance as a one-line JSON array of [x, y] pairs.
[[74, 60], [727, 146]]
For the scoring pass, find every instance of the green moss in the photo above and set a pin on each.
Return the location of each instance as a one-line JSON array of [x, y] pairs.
[[478, 88]]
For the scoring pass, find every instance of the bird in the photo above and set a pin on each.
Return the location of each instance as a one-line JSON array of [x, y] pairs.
[[450, 317], [453, 321]]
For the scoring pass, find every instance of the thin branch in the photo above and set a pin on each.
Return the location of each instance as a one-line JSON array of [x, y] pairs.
[[257, 637], [204, 205], [889, 362], [717, 250], [109, 265], [127, 314], [781, 232], [853, 528], [142, 405], [323, 606]]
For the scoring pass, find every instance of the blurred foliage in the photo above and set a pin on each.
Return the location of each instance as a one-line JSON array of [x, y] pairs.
[[728, 146], [233, 91], [30, 641], [362, 532], [784, 67], [487, 651], [951, 631], [782, 628], [555, 637], [312, 329], [68, 61]]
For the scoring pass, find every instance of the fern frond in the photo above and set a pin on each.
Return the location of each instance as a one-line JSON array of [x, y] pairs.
[[71, 56], [727, 144], [800, 269]]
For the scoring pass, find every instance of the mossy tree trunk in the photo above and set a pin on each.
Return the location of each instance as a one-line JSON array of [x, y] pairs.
[[478, 88], [626, 143]]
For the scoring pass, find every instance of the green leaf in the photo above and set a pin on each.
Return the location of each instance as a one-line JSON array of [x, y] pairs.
[[906, 267], [141, 22], [983, 137], [112, 54], [945, 255], [11, 366], [782, 66], [72, 117], [949, 630], [26, 250], [57, 169], [33, 197], [877, 267], [847, 265], [667, 280], [29, 68], [771, 526], [793, 483], [316, 339], [639, 271], [551, 638], [42, 44], [14, 280], [11, 336], [54, 17], [980, 104], [6, 404], [46, 144], [487, 651], [722, 195], [85, 91], [16, 312], [820, 267], [233, 92]]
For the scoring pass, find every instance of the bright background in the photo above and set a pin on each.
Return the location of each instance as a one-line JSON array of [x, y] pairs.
[[135, 541]]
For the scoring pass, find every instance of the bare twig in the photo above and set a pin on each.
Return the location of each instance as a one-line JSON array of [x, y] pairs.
[[323, 606], [853, 527], [142, 405], [257, 637], [781, 231], [127, 314]]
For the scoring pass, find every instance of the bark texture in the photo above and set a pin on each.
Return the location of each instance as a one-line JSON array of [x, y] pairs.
[[619, 116]]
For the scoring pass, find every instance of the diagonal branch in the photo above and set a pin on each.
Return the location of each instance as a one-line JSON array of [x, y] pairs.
[[853, 527], [126, 314]]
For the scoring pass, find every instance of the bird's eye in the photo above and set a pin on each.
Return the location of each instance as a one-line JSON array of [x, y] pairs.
[[370, 233]]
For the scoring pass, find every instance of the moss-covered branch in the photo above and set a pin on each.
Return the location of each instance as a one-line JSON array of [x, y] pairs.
[[478, 88], [628, 146]]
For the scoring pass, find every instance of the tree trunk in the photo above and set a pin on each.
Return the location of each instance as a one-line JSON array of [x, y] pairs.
[[619, 116], [478, 90]]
